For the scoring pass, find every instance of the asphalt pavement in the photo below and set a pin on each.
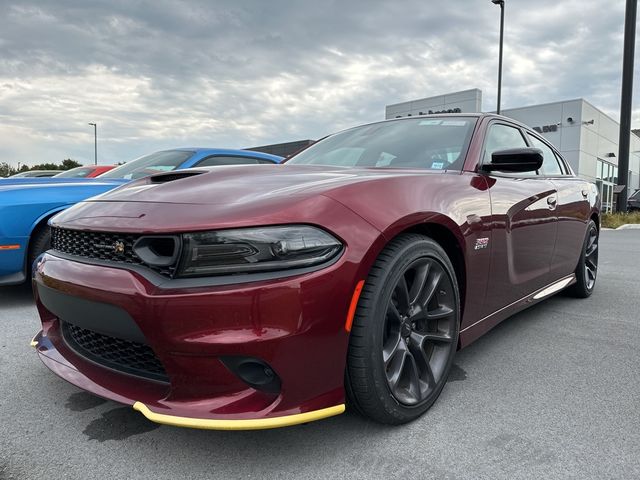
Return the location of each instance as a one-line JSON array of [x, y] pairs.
[[551, 393]]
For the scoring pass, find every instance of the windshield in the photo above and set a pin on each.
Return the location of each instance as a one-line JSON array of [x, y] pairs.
[[79, 172], [424, 143], [149, 164]]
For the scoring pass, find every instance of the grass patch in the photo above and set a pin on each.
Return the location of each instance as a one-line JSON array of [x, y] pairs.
[[614, 220]]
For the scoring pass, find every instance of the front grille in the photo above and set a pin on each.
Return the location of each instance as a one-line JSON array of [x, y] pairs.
[[123, 355], [105, 246]]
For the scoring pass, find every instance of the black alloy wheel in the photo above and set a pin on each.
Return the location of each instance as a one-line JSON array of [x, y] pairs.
[[587, 269], [405, 332]]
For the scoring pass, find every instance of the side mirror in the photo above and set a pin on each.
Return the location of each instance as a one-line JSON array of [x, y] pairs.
[[515, 160]]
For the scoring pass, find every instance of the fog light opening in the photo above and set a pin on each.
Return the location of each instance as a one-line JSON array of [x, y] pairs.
[[254, 372]]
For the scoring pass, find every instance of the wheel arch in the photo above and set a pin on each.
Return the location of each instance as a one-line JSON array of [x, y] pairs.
[[39, 223], [446, 233]]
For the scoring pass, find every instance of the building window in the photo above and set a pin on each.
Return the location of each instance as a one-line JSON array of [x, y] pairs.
[[607, 177]]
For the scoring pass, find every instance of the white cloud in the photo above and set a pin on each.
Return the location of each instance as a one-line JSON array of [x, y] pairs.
[[237, 74]]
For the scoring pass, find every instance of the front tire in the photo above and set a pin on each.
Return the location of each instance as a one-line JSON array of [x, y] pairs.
[[405, 332]]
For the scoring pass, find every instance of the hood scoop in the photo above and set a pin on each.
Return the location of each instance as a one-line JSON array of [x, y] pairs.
[[172, 176]]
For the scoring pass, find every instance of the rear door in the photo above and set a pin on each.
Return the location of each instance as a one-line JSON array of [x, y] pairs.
[[573, 209], [524, 225]]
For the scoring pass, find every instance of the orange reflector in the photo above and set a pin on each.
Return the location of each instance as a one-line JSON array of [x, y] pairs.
[[9, 247], [354, 304]]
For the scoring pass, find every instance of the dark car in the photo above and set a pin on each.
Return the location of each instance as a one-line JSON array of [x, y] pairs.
[[265, 296], [633, 203]]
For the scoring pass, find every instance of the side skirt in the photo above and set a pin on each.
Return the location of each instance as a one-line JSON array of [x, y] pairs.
[[471, 333]]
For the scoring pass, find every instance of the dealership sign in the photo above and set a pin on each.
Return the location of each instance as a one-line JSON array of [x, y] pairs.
[[431, 112], [546, 128]]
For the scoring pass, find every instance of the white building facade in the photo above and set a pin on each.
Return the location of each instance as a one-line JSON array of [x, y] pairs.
[[586, 137]]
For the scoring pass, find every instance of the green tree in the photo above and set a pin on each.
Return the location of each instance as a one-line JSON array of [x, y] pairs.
[[5, 169], [45, 166], [68, 164]]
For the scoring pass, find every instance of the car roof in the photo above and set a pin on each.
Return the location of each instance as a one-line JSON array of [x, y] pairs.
[[479, 116], [225, 151]]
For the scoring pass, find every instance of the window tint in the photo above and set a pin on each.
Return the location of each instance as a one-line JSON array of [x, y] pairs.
[[550, 164], [563, 165], [502, 137], [424, 143], [149, 164], [78, 172], [219, 160]]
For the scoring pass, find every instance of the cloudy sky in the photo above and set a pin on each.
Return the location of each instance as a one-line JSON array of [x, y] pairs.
[[241, 73]]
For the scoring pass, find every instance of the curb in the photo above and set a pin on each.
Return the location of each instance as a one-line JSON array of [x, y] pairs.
[[626, 226]]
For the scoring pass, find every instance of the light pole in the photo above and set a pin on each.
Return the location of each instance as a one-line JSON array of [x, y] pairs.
[[626, 100], [95, 142], [501, 3]]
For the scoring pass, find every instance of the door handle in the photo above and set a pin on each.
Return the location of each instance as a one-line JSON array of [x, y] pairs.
[[585, 193], [551, 201]]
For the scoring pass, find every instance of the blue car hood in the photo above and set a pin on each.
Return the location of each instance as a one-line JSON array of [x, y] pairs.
[[58, 181]]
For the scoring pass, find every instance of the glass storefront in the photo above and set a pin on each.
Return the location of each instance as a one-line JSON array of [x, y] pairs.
[[607, 177]]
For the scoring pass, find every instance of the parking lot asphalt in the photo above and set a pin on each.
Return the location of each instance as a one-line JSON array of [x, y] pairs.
[[552, 392]]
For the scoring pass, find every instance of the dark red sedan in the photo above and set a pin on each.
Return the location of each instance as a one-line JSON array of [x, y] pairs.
[[270, 295]]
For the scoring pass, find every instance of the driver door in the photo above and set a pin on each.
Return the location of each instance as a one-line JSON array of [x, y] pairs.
[[524, 224]]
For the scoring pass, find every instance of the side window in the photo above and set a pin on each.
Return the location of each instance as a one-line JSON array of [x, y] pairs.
[[502, 137], [563, 164], [219, 160], [550, 165]]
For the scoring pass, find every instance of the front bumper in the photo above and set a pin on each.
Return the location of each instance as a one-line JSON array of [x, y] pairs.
[[295, 325]]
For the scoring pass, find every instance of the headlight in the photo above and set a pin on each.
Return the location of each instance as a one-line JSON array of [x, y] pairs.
[[249, 250]]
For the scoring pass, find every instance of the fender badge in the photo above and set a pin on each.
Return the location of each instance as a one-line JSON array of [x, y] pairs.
[[481, 243]]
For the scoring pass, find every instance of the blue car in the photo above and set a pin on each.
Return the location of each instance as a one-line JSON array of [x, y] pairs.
[[27, 204]]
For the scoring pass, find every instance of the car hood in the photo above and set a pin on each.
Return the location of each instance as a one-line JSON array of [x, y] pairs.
[[12, 183], [247, 184]]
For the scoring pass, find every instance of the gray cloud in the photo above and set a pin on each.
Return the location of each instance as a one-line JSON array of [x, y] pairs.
[[227, 73]]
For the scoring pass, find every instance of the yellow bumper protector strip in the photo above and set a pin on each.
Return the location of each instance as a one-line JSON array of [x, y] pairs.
[[256, 424]]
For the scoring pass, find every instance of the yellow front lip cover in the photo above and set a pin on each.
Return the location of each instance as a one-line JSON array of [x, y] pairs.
[[253, 424]]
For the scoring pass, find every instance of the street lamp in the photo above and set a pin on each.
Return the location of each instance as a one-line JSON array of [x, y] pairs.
[[626, 100], [95, 142], [501, 3]]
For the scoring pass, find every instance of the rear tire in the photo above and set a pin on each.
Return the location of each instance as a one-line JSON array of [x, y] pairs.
[[405, 332], [587, 269]]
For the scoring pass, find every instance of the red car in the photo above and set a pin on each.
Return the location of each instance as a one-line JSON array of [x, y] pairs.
[[89, 171], [265, 296]]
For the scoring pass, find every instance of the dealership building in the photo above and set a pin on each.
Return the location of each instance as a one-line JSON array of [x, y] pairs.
[[586, 137]]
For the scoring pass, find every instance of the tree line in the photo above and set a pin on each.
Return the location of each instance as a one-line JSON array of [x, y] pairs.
[[7, 170]]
